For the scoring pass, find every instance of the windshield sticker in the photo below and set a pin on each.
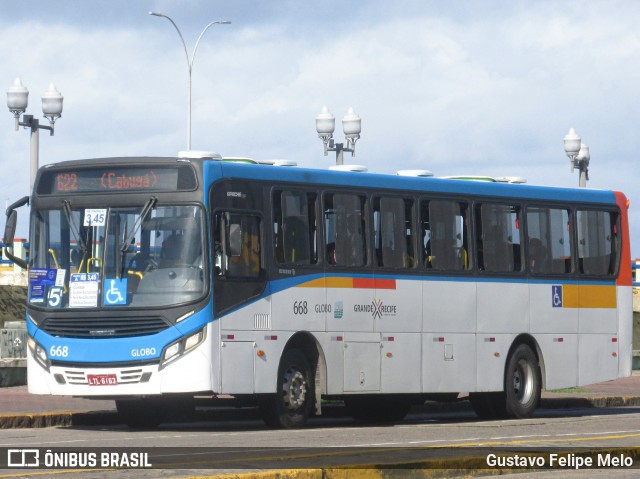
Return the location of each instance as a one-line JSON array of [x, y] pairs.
[[54, 297], [115, 291], [83, 290], [95, 217], [39, 279]]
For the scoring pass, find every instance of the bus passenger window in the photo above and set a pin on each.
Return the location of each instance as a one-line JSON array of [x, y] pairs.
[[393, 232], [548, 240], [597, 242], [345, 229], [445, 234], [498, 238], [294, 227]]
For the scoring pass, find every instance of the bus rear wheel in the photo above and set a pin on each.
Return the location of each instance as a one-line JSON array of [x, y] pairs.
[[522, 383], [522, 386], [291, 406]]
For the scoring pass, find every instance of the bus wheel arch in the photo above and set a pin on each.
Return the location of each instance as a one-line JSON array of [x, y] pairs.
[[300, 382], [522, 384]]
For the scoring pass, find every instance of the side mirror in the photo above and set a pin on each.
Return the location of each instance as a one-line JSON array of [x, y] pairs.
[[10, 227], [10, 231]]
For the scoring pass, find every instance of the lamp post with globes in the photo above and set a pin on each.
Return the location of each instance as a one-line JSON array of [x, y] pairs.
[[578, 154], [17, 101], [189, 62], [351, 125]]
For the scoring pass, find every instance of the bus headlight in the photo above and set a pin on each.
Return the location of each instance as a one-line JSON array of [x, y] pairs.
[[38, 353], [178, 348]]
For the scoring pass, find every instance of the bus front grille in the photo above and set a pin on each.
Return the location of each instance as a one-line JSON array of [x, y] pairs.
[[109, 327]]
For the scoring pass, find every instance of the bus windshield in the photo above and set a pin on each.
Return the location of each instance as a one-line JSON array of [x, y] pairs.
[[142, 256]]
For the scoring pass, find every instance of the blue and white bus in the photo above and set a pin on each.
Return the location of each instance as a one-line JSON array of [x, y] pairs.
[[156, 280]]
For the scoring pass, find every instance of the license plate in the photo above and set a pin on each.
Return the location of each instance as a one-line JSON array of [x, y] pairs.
[[102, 379]]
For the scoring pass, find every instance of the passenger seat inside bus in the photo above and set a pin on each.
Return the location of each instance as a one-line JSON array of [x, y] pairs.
[[180, 250]]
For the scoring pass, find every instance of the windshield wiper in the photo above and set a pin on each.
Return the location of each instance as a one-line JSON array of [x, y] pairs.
[[126, 239], [146, 209], [66, 206]]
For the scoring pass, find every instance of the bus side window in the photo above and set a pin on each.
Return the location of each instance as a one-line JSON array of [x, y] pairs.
[[393, 232], [295, 228], [498, 238], [597, 242], [446, 249], [548, 240], [345, 229], [237, 245]]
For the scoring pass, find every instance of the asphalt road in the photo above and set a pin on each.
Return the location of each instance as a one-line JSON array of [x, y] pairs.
[[443, 440]]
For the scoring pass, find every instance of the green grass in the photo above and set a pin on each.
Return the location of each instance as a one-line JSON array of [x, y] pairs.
[[569, 390]]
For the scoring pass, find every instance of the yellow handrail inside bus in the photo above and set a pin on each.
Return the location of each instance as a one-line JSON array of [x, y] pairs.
[[94, 259], [55, 260]]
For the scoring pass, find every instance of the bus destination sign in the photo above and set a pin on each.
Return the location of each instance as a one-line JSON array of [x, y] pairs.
[[109, 180], [118, 179]]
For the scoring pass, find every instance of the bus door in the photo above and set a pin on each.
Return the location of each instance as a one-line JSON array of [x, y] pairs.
[[241, 303]]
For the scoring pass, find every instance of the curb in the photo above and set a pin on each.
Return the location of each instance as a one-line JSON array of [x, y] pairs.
[[98, 418]]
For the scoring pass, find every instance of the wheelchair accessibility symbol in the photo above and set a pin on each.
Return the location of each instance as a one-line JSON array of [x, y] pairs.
[[556, 299], [115, 291]]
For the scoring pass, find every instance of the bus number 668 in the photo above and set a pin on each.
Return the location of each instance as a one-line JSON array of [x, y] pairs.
[[59, 351], [300, 307]]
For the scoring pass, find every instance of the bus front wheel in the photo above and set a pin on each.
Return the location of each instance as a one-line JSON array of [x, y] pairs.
[[291, 405]]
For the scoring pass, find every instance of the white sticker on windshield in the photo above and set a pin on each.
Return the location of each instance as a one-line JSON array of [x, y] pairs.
[[83, 290], [95, 217]]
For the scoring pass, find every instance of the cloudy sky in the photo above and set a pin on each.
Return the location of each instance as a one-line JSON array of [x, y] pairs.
[[487, 87]]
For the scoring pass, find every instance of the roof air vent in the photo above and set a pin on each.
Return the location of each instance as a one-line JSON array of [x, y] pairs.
[[194, 154], [278, 162], [353, 168], [420, 173]]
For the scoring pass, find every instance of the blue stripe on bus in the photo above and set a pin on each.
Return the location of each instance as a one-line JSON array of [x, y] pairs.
[[309, 177]]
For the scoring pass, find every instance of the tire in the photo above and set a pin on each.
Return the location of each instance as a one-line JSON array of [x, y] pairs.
[[377, 408], [522, 386], [291, 406], [522, 383]]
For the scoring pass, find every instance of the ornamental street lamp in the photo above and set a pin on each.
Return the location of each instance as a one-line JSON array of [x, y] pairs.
[[17, 100], [351, 125], [189, 62], [578, 154]]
